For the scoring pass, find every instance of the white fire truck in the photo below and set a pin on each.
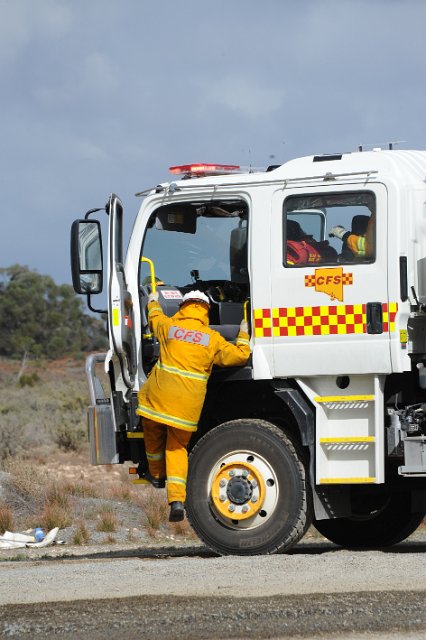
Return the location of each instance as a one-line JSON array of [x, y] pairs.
[[327, 421]]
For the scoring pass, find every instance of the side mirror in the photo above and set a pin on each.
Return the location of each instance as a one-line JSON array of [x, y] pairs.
[[86, 256]]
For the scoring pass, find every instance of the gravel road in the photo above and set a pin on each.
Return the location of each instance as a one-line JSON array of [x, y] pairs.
[[318, 590]]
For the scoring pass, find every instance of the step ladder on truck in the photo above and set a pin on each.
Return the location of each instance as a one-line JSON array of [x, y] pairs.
[[326, 423]]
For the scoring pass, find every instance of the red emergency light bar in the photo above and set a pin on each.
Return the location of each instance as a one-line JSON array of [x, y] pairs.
[[203, 169]]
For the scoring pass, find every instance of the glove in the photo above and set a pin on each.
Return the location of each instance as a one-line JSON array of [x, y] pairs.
[[338, 232], [153, 297], [244, 326]]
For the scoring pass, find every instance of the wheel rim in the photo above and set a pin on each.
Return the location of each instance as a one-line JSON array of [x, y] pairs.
[[243, 490]]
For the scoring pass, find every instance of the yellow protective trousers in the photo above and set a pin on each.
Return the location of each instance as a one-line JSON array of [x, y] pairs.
[[167, 456]]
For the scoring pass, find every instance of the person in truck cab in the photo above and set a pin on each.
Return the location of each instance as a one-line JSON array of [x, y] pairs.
[[304, 249], [359, 241], [171, 400]]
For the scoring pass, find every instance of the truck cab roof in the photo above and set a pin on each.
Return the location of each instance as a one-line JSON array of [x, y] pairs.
[[409, 166]]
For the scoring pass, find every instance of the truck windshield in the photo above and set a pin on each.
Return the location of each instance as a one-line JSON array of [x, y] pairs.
[[210, 244]]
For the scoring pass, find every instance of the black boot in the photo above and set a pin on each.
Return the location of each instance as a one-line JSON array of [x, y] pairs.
[[158, 483], [177, 512]]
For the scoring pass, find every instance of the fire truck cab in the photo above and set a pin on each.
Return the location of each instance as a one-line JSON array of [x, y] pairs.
[[326, 422]]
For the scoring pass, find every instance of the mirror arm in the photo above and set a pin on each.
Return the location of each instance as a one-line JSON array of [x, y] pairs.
[[93, 211], [90, 305]]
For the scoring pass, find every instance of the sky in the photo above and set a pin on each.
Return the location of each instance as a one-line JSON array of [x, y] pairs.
[[102, 96]]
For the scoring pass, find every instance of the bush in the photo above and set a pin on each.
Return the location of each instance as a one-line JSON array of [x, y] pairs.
[[53, 515], [11, 441], [26, 478], [6, 518], [68, 438], [28, 379]]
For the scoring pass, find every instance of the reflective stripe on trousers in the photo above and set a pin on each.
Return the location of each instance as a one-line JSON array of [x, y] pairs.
[[174, 465]]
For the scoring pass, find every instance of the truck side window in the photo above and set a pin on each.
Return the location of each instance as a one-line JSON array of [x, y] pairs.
[[329, 229]]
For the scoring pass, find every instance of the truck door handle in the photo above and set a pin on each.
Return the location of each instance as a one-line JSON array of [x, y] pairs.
[[374, 317]]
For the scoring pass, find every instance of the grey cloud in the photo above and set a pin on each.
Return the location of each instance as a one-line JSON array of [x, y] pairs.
[[23, 23], [104, 96], [242, 93]]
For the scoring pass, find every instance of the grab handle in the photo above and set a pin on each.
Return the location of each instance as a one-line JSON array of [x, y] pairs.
[[152, 273]]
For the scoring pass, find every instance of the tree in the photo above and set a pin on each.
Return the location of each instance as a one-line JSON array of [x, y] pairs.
[[42, 318]]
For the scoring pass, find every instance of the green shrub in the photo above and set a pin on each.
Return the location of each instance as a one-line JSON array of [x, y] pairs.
[[28, 380]]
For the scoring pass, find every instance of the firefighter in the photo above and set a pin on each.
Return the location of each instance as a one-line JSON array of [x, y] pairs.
[[359, 242], [304, 249], [171, 400]]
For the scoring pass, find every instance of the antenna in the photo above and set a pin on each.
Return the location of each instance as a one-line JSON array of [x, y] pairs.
[[395, 142], [379, 145]]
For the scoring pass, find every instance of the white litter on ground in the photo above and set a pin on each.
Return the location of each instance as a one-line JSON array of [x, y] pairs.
[[11, 540]]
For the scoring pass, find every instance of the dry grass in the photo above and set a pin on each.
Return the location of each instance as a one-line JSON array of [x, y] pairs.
[[81, 534], [58, 494], [6, 518], [41, 500], [53, 515], [27, 478], [107, 520], [154, 505], [57, 510], [110, 540], [183, 529], [50, 500], [121, 492], [82, 489]]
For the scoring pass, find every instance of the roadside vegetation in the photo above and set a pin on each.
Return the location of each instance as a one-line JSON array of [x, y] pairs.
[[46, 479]]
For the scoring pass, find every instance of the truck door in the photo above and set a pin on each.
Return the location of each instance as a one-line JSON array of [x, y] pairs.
[[330, 309], [120, 303]]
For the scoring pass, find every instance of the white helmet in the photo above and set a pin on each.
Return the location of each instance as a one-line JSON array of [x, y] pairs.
[[195, 296]]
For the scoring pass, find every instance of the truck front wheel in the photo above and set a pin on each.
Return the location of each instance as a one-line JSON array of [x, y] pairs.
[[247, 489], [388, 525]]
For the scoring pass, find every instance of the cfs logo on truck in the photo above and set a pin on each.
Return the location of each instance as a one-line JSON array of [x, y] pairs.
[[329, 281]]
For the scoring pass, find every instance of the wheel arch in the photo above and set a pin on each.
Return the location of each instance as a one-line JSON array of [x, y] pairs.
[[278, 402], [303, 413]]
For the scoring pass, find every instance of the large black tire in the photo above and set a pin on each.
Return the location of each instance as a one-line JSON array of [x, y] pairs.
[[286, 510], [387, 526]]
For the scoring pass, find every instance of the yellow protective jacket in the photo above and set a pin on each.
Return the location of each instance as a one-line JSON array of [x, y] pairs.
[[176, 387], [363, 246]]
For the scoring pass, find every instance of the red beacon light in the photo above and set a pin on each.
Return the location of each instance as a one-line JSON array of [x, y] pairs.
[[203, 169]]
